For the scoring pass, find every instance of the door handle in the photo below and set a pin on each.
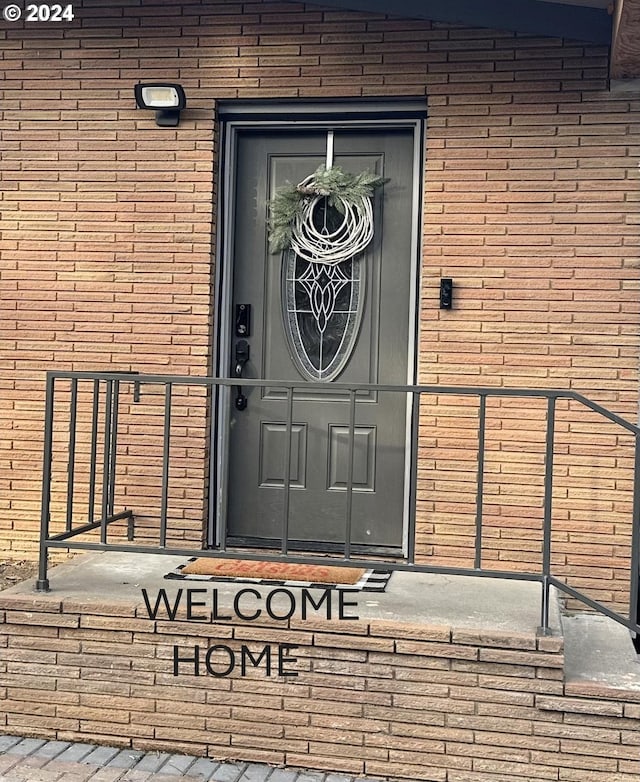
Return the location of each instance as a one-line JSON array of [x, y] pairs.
[[241, 358]]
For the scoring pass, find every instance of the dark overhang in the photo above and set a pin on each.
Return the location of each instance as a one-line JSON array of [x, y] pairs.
[[582, 22]]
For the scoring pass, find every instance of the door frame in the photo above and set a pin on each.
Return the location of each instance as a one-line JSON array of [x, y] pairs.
[[234, 117]]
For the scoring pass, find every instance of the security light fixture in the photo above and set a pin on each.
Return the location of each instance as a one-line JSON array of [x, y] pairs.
[[168, 100]]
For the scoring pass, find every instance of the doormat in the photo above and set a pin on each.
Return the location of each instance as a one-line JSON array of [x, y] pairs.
[[281, 574]]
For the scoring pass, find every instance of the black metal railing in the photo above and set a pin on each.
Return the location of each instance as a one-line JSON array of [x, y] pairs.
[[96, 413]]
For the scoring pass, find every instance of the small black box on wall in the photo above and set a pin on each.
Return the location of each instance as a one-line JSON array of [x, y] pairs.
[[446, 293]]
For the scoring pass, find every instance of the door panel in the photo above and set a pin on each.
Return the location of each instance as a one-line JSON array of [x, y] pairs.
[[380, 337]]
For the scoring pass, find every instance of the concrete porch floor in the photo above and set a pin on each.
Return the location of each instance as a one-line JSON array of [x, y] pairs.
[[457, 601]]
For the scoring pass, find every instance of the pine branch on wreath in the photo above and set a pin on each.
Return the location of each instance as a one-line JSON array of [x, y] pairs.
[[339, 187]]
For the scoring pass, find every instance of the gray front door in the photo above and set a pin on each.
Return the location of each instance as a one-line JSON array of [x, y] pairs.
[[358, 329]]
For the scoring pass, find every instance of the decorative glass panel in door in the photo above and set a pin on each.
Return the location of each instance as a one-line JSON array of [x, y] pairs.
[[322, 307]]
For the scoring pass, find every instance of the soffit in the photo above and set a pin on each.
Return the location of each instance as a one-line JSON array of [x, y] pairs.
[[582, 20]]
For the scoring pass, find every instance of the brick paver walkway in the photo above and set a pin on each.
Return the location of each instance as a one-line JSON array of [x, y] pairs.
[[36, 760]]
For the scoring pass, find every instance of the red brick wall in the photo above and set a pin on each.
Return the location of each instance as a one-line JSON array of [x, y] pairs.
[[108, 228]]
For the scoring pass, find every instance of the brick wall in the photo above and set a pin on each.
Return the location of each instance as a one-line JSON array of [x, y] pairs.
[[108, 228], [530, 207], [384, 698]]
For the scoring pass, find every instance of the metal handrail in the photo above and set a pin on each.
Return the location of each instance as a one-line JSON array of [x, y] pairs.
[[113, 382]]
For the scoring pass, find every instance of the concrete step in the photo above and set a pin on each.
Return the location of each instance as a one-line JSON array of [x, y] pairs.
[[600, 659]]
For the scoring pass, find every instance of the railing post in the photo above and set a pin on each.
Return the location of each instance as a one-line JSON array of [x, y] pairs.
[[548, 512], [482, 422], [115, 406], [71, 455], [166, 447], [42, 582], [413, 485], [93, 453], [284, 547], [106, 471], [349, 486]]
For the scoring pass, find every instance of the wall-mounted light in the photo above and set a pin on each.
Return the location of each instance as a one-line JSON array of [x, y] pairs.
[[168, 100]]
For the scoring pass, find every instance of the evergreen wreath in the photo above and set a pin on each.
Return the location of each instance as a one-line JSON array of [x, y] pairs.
[[292, 215]]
